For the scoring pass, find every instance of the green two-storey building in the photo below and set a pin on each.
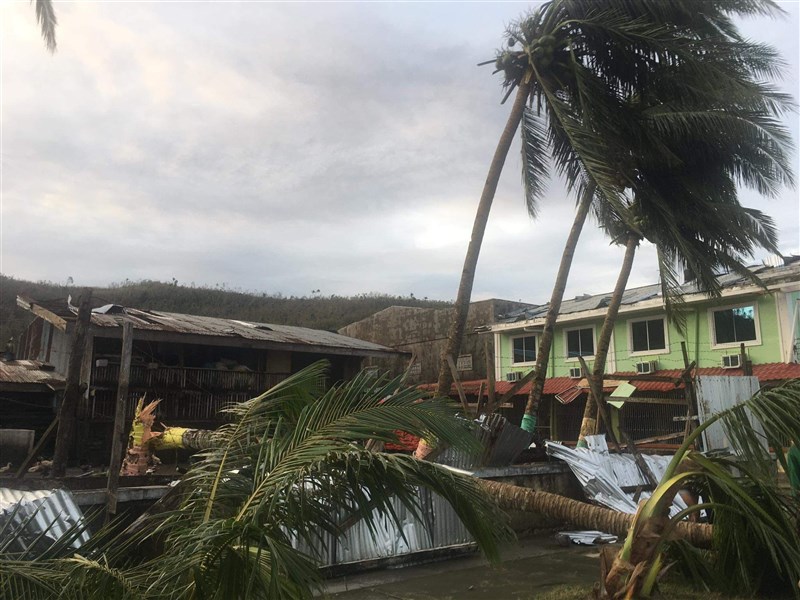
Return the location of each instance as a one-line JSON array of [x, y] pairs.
[[749, 328]]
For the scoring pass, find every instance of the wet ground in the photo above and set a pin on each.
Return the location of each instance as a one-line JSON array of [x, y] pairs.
[[528, 569]]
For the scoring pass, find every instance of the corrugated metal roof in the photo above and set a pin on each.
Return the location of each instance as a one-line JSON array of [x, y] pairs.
[[31, 372], [632, 296], [112, 316]]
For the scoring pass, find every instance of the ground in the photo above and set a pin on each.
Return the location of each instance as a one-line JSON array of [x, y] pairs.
[[535, 568]]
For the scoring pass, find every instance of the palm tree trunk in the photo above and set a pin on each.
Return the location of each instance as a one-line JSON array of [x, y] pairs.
[[589, 423], [580, 514], [456, 333], [546, 341]]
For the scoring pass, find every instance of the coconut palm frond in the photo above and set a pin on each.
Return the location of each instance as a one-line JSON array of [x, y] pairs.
[[295, 469], [535, 172], [756, 540], [46, 17]]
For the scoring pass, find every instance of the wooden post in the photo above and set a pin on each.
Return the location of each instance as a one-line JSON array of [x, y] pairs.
[[68, 411], [490, 381], [118, 441], [457, 381], [688, 386], [747, 368]]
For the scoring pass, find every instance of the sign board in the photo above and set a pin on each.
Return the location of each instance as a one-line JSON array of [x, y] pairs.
[[464, 362]]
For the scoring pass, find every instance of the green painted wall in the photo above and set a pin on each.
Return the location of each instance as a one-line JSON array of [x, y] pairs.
[[697, 335]]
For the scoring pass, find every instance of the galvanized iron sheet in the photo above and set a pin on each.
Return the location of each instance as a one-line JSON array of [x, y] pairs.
[[36, 519]]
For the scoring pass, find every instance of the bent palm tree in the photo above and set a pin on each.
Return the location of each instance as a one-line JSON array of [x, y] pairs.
[[291, 467], [684, 196], [712, 70]]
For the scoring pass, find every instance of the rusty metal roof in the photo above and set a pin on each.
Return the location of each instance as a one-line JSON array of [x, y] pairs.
[[112, 316], [29, 373]]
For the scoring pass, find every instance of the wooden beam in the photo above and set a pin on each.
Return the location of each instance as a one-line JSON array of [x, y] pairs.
[[649, 400], [39, 311], [23, 468], [459, 388], [120, 416]]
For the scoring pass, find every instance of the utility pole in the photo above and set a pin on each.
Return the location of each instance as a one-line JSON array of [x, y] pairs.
[[68, 412]]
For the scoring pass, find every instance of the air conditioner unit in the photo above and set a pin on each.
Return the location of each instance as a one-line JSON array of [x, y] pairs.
[[575, 373], [731, 361], [646, 367], [514, 376]]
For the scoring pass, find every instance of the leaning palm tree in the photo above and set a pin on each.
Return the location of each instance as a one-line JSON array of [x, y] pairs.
[[572, 61], [291, 468], [711, 55], [685, 164]]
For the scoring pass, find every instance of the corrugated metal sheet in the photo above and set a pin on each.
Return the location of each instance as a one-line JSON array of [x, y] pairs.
[[441, 528], [502, 441], [33, 520], [32, 372], [718, 393], [112, 316], [603, 475]]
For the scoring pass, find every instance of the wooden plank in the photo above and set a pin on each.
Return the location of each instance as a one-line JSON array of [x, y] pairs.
[[648, 400], [23, 468], [118, 442], [45, 314]]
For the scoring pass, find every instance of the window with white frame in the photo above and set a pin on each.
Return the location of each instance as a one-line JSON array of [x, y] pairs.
[[580, 342], [735, 324], [524, 349], [648, 335]]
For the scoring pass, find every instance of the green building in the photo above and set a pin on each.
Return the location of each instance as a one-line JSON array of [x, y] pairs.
[[765, 319]]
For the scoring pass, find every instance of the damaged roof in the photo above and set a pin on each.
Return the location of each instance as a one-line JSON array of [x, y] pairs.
[[767, 274], [150, 323], [29, 375]]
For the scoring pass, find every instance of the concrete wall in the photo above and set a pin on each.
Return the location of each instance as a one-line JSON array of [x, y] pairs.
[[423, 332]]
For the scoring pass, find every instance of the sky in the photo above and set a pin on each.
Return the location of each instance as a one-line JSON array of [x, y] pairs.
[[287, 148]]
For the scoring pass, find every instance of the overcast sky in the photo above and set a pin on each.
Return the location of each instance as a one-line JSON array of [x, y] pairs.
[[285, 147]]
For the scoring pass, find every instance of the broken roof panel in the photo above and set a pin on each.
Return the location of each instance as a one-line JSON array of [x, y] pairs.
[[31, 373]]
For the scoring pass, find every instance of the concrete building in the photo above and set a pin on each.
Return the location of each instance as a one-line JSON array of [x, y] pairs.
[[422, 333]]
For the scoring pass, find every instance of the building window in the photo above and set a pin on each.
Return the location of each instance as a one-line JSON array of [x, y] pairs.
[[735, 325], [524, 349], [647, 336], [580, 342]]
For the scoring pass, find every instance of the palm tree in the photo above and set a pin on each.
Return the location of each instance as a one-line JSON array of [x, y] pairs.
[[756, 542], [46, 17], [684, 195], [573, 60], [707, 58], [291, 467]]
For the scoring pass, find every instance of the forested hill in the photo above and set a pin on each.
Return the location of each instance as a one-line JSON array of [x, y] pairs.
[[316, 311]]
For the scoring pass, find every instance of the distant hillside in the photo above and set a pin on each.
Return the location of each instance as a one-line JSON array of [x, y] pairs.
[[318, 312]]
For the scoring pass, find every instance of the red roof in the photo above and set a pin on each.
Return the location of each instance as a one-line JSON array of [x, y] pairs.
[[766, 373]]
